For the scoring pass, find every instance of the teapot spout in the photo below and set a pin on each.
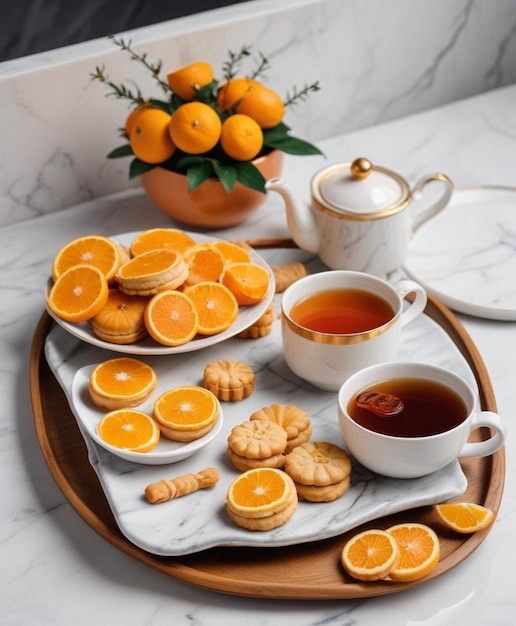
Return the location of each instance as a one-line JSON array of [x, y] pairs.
[[300, 219]]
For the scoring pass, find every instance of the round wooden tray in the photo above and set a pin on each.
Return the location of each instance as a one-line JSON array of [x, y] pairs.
[[308, 571]]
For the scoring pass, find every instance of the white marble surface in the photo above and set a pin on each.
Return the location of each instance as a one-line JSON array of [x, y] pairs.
[[376, 60], [56, 570], [199, 521]]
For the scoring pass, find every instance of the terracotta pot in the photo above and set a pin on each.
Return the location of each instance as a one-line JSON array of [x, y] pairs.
[[208, 206]]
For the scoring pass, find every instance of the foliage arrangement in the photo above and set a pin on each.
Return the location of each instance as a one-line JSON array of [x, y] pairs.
[[203, 127]]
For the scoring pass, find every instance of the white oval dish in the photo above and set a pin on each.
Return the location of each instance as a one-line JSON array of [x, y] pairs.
[[246, 317], [167, 451]]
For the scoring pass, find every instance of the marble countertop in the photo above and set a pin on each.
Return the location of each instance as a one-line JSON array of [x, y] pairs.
[[56, 570]]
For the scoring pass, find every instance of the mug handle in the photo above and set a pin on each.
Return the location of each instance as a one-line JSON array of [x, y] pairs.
[[417, 305], [423, 215], [489, 446]]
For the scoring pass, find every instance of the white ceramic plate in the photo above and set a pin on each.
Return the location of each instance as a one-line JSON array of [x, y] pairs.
[[165, 452], [246, 316], [466, 255]]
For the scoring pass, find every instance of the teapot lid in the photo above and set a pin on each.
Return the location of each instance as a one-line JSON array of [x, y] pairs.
[[361, 189]]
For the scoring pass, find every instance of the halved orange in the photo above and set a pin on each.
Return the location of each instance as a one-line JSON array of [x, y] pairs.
[[121, 383], [248, 282], [216, 307], [464, 517], [129, 429], [171, 318], [419, 551], [79, 293], [370, 555], [186, 408], [95, 250], [157, 238], [258, 492], [205, 262]]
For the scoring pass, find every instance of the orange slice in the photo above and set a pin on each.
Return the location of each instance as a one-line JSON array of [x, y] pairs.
[[204, 263], [370, 555], [258, 492], [121, 383], [158, 238], [95, 250], [171, 318], [79, 293], [464, 517], [248, 282], [216, 307], [232, 252], [129, 429], [419, 551], [186, 408]]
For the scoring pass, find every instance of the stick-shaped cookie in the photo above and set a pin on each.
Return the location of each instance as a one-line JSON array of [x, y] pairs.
[[169, 489]]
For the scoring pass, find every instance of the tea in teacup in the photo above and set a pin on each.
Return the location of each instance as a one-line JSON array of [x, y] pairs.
[[342, 311], [408, 407]]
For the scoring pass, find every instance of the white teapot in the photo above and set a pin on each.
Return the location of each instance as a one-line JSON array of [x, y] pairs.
[[361, 216]]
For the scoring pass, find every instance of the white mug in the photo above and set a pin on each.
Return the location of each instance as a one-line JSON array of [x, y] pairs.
[[327, 359], [412, 457]]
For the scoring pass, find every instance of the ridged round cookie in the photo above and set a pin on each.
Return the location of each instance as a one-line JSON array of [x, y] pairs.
[[122, 320], [292, 419], [266, 523], [318, 463], [261, 328], [242, 463], [230, 381], [151, 272], [258, 439], [327, 493]]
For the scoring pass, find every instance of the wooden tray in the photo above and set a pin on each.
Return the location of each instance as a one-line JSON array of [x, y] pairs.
[[308, 571]]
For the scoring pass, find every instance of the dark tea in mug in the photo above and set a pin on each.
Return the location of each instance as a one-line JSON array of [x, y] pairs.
[[428, 408], [342, 311]]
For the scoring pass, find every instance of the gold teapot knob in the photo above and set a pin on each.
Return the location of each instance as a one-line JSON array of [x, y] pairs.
[[361, 168]]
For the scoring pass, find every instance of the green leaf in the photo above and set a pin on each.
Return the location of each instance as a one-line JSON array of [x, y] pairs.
[[250, 176], [277, 132], [292, 145], [197, 174], [121, 151], [168, 107], [227, 174], [138, 167], [188, 161]]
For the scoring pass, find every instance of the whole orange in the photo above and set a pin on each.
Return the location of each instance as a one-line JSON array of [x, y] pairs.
[[251, 98], [150, 139], [241, 137], [185, 80], [195, 127]]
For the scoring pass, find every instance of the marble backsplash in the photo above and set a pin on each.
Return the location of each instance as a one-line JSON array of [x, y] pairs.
[[376, 60]]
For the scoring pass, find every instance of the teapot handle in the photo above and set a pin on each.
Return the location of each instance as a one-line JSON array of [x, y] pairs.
[[422, 216]]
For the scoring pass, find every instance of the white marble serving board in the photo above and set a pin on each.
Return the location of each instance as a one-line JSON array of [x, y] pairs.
[[198, 521], [466, 255]]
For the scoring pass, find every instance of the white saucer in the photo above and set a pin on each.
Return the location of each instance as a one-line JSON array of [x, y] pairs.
[[247, 315], [466, 255]]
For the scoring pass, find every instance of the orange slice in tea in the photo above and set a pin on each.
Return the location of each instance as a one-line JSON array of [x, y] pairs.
[[216, 307], [129, 429], [79, 293], [419, 551], [171, 318]]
